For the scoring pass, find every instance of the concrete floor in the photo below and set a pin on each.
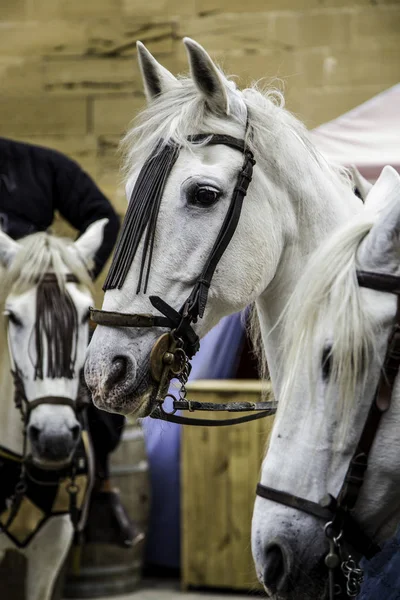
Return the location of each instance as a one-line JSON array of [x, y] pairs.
[[167, 590]]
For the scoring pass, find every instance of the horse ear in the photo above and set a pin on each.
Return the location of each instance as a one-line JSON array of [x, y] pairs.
[[384, 191], [8, 249], [362, 184], [380, 249], [156, 79], [90, 241], [209, 80]]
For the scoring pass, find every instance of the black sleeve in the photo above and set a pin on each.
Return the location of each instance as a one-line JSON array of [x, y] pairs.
[[80, 202]]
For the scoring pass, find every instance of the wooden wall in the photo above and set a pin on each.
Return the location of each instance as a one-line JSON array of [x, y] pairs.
[[69, 77]]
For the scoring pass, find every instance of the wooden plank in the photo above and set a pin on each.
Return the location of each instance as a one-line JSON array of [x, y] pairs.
[[220, 469], [216, 505], [194, 519], [244, 459]]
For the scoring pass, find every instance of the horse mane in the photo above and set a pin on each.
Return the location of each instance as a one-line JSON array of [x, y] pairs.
[[42, 253], [328, 293], [182, 111]]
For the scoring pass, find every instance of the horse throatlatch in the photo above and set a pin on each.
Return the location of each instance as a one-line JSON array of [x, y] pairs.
[[341, 529], [170, 357]]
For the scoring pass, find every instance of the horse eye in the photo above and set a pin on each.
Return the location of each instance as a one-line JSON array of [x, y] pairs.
[[86, 317], [204, 196], [12, 317], [326, 362]]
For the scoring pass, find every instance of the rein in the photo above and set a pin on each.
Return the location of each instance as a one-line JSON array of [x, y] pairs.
[[171, 354], [341, 527]]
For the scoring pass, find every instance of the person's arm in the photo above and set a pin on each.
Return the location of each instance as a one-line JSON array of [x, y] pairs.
[[80, 202]]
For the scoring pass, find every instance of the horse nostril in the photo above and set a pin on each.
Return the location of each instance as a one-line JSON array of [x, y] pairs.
[[75, 432], [274, 571], [118, 370], [34, 433]]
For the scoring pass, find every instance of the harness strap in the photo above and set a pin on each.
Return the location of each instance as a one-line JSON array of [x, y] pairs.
[[55, 400], [354, 478], [381, 282], [193, 405], [307, 506], [214, 139], [326, 511], [196, 303], [161, 414], [115, 319], [181, 325]]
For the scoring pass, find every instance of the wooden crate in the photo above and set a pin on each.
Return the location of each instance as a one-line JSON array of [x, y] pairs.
[[219, 471]]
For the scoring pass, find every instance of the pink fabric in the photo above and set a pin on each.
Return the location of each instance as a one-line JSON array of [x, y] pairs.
[[368, 136]]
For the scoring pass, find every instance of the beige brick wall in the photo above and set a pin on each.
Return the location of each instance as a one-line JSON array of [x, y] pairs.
[[69, 77]]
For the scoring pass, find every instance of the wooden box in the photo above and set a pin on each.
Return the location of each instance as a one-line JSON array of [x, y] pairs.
[[220, 468]]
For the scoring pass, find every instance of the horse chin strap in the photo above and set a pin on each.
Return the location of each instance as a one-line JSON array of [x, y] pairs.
[[341, 528]]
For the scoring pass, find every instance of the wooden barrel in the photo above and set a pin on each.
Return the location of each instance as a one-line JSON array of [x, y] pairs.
[[108, 570]]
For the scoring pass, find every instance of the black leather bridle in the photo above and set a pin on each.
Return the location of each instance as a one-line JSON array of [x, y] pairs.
[[341, 527], [170, 357], [25, 407]]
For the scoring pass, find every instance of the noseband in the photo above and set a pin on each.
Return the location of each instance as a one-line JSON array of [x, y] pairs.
[[341, 528], [171, 354]]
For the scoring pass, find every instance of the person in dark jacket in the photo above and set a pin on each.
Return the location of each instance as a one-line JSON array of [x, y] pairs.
[[34, 183]]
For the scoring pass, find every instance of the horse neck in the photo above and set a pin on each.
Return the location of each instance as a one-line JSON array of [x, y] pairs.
[[11, 433], [378, 505], [325, 208]]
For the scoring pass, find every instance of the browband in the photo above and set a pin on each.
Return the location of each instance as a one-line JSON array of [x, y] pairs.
[[216, 138]]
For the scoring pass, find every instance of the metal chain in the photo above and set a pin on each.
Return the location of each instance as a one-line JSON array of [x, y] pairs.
[[183, 376], [354, 576]]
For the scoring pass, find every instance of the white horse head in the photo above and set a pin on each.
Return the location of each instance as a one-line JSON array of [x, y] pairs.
[[294, 198], [46, 326], [335, 339]]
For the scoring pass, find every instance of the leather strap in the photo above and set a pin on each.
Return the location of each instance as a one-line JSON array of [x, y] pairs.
[[307, 506], [352, 532], [216, 138], [55, 400], [181, 325], [115, 319], [159, 413], [193, 405], [355, 475], [381, 282], [196, 303]]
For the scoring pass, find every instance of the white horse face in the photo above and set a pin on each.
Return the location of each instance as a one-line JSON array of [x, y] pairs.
[[192, 210], [47, 337], [331, 380]]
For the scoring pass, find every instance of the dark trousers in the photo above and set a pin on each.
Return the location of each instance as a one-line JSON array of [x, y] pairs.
[[106, 431]]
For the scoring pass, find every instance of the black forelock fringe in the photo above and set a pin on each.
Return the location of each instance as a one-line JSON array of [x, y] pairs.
[[56, 329], [143, 209]]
